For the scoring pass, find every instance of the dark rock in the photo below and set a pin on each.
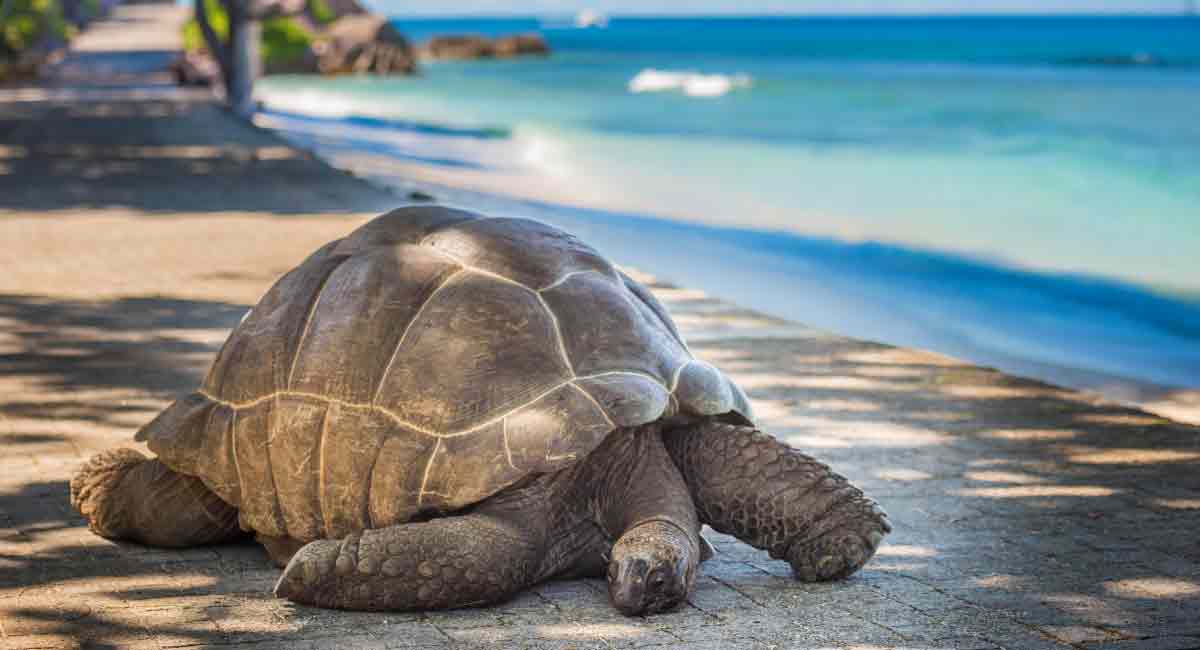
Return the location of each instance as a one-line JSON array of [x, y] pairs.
[[417, 195], [363, 43], [458, 46], [195, 69], [520, 45], [474, 46]]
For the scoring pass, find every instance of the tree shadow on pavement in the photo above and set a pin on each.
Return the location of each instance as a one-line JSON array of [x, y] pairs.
[[59, 356], [161, 155]]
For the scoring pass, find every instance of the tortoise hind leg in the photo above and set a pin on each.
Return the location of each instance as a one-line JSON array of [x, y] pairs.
[[460, 561], [125, 495]]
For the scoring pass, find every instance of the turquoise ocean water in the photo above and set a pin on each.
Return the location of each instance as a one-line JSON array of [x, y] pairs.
[[1019, 191]]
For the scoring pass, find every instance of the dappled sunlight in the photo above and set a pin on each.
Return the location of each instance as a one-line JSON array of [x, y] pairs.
[[109, 151], [1178, 504], [1018, 478], [1006, 582], [829, 382], [891, 372], [1120, 419], [801, 441], [877, 434], [905, 550], [1155, 587], [901, 474], [844, 405], [1030, 435], [941, 416], [591, 631], [771, 409], [679, 294], [1129, 456], [900, 356], [185, 152], [988, 391], [1035, 491]]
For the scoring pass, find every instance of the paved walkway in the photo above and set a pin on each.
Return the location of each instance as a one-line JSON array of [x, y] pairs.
[[137, 227]]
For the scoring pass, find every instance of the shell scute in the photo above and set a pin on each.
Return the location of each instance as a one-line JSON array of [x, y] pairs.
[[257, 359], [296, 463], [557, 430], [479, 348], [356, 318], [401, 226], [628, 399], [252, 432], [605, 330], [465, 469], [396, 476], [348, 453], [526, 252]]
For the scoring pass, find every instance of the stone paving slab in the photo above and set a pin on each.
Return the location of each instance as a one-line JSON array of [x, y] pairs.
[[1026, 516]]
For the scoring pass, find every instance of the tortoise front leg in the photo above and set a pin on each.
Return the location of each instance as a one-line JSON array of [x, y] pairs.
[[748, 484], [643, 502], [461, 561]]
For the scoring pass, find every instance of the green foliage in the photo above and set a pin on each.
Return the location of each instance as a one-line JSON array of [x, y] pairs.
[[320, 12], [283, 39], [31, 22], [193, 39]]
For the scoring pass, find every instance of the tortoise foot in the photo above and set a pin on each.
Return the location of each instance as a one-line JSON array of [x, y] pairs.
[[843, 549], [124, 495], [94, 491]]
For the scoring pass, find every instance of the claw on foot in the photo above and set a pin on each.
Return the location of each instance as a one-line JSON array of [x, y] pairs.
[[305, 574]]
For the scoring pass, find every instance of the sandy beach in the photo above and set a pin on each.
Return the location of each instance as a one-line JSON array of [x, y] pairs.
[[139, 222]]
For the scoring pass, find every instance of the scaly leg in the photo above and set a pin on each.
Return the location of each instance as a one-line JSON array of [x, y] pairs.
[[125, 495], [460, 561], [760, 490]]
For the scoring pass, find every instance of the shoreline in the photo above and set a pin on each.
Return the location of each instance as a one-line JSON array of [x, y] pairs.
[[749, 266]]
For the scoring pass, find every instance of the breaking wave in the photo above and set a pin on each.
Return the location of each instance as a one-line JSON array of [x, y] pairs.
[[693, 84]]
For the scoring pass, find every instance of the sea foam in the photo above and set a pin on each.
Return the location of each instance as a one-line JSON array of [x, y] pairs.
[[694, 84]]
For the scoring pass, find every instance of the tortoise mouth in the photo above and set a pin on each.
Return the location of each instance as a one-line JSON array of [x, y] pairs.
[[641, 584]]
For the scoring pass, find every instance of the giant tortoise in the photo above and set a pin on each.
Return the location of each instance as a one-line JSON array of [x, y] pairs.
[[442, 409]]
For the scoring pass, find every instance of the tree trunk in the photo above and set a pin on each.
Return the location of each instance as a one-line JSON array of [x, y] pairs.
[[244, 45], [238, 57], [216, 48]]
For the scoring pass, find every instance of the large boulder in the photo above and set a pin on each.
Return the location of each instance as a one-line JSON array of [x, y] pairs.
[[457, 46], [363, 43], [520, 45], [473, 46]]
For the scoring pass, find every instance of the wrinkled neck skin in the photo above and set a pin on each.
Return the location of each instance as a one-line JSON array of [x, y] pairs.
[[625, 512]]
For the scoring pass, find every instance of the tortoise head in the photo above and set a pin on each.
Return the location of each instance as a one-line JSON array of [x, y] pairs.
[[652, 569]]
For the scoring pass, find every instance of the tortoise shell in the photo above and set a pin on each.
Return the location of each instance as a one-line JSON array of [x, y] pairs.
[[423, 363]]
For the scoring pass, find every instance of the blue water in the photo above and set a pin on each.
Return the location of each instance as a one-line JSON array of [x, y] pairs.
[[981, 162]]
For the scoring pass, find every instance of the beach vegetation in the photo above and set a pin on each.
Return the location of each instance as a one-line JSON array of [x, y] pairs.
[[320, 12], [284, 40], [27, 26]]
